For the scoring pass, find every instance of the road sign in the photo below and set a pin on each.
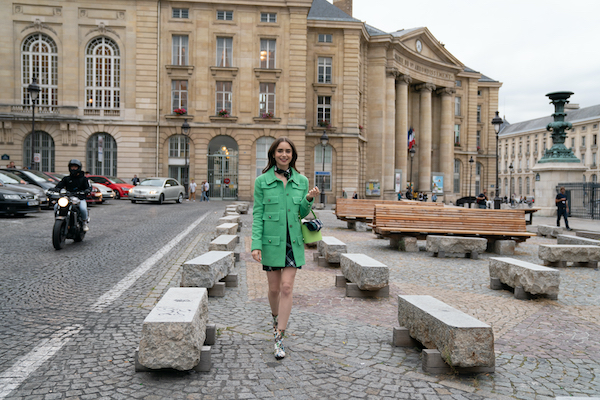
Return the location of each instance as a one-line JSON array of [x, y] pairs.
[[226, 181], [37, 157]]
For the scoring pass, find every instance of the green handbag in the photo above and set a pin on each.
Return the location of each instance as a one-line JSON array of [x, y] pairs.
[[311, 236]]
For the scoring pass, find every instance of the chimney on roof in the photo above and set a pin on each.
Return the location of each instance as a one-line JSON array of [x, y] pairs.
[[572, 106], [344, 5]]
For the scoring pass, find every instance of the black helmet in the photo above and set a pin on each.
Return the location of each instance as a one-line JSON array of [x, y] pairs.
[[77, 163]]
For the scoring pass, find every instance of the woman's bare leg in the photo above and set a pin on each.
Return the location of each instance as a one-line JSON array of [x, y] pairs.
[[288, 275], [274, 279]]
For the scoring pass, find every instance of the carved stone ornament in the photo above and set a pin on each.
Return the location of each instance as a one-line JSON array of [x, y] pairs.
[[103, 29], [445, 91], [422, 87], [38, 26], [404, 78], [18, 10], [393, 72]]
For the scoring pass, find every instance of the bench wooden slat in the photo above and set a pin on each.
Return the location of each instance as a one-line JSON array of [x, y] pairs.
[[363, 209]]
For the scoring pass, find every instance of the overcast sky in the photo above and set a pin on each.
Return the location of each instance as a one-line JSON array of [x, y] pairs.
[[511, 41]]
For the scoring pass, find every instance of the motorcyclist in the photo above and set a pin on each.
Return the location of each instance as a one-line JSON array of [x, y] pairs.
[[76, 182]]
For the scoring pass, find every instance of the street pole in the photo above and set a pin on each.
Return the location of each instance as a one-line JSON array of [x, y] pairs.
[[471, 161], [510, 184], [497, 122], [412, 155], [185, 130], [33, 90]]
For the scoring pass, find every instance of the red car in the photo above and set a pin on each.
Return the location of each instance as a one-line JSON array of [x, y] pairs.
[[118, 186], [95, 196]]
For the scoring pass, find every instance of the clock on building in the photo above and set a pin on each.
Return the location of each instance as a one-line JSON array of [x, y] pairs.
[[419, 46]]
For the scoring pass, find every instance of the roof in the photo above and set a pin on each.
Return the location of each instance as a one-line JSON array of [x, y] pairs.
[[582, 114], [325, 11]]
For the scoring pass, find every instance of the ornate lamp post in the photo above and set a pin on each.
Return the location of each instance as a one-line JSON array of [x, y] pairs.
[[510, 184], [412, 152], [559, 152], [185, 130], [324, 141], [497, 122], [471, 161], [34, 90]]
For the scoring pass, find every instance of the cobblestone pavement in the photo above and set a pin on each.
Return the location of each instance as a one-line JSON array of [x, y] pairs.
[[337, 347]]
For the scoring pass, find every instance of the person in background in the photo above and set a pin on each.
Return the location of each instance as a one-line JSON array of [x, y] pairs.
[[482, 199], [434, 197], [192, 189], [355, 195], [135, 180], [11, 165], [206, 189], [562, 205], [408, 193]]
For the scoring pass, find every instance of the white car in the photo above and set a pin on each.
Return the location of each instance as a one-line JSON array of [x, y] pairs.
[[107, 193], [158, 190]]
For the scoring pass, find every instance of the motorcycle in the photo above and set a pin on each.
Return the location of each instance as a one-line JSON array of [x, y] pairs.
[[68, 223]]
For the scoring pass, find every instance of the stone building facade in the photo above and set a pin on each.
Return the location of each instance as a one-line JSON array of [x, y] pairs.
[[114, 78], [522, 144]]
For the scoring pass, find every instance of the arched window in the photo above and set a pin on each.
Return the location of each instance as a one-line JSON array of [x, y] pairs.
[[179, 146], [262, 149], [506, 191], [323, 170], [39, 58], [594, 178], [478, 173], [44, 145], [527, 186], [103, 74], [456, 176], [101, 153]]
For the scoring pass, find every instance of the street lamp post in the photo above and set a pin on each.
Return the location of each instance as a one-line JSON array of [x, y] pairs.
[[33, 90], [497, 122], [412, 152], [185, 130], [510, 184], [324, 141], [471, 161]]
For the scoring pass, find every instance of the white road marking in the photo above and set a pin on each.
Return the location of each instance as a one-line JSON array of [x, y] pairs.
[[107, 298], [20, 371]]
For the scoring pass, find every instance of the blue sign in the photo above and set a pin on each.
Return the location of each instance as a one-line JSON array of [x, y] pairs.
[[5, 157], [322, 173]]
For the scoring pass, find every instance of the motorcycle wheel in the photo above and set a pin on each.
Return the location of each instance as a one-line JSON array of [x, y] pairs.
[[79, 234], [58, 234]]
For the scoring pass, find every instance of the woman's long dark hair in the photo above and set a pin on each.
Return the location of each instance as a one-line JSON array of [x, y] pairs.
[[271, 154]]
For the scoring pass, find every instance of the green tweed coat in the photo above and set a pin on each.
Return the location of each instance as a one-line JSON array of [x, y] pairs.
[[276, 210]]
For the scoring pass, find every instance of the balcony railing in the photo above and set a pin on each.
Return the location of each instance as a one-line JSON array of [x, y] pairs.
[[99, 112], [38, 109]]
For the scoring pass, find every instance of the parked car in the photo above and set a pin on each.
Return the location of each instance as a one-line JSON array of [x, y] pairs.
[[54, 176], [120, 187], [16, 203], [13, 182], [158, 190], [34, 177], [466, 200], [107, 193], [95, 196]]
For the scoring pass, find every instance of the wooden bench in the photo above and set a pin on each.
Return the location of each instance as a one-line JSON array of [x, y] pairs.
[[363, 276], [176, 334], [395, 222], [524, 277], [557, 255], [355, 210], [454, 340]]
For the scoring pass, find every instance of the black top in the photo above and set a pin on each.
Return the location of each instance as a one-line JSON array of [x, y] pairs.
[[77, 183], [562, 204], [481, 199]]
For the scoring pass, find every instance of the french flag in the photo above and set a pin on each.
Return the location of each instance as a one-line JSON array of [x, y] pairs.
[[411, 138]]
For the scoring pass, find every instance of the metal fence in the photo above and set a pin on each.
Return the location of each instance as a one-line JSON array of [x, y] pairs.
[[583, 198]]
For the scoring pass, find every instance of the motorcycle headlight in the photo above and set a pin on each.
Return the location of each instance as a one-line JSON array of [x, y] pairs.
[[63, 202]]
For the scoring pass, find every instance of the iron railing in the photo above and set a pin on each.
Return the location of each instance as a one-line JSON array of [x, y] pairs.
[[583, 198]]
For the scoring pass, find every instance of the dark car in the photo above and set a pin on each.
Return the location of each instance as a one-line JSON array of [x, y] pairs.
[[466, 200], [34, 177], [15, 203], [120, 187], [13, 182]]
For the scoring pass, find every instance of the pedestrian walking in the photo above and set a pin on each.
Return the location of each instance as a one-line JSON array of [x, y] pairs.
[[192, 190], [434, 197], [135, 180], [355, 195], [562, 205], [282, 196], [482, 199], [206, 189]]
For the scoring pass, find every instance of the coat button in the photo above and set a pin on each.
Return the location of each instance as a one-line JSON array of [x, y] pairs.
[[294, 241], [287, 194], [289, 209], [268, 201], [269, 240], [269, 217], [290, 226]]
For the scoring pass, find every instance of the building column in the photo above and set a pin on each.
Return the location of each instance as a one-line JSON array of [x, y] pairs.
[[402, 127], [424, 137], [389, 147], [447, 137]]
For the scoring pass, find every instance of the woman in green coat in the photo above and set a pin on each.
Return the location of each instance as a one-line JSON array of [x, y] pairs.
[[281, 198]]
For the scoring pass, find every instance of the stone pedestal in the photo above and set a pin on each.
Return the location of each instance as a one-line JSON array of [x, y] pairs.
[[552, 174]]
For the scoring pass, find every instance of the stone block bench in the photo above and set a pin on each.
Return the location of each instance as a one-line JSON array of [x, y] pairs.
[[550, 231], [524, 277], [440, 245], [175, 334], [225, 243], [227, 229], [242, 206], [363, 276], [454, 341], [588, 234], [329, 250], [231, 219], [570, 239], [210, 270], [557, 255]]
